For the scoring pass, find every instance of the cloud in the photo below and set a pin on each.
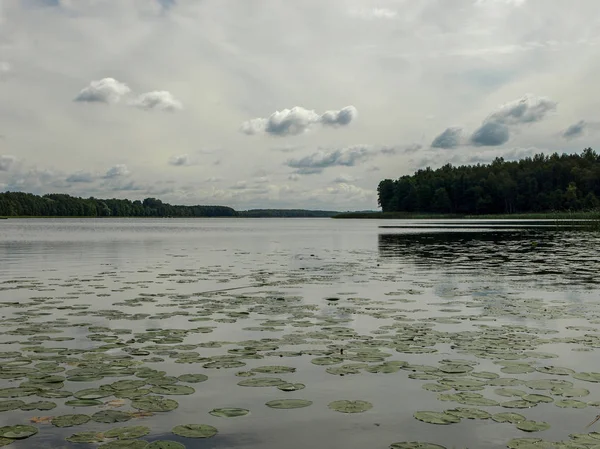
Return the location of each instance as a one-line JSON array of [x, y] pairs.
[[81, 176], [106, 90], [5, 69], [496, 128], [181, 160], [450, 138], [298, 120], [575, 130], [373, 13], [117, 171], [6, 162], [344, 179], [490, 134], [161, 100], [528, 109], [318, 161]]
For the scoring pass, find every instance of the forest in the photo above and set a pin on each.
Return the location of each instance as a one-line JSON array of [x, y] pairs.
[[19, 204], [542, 183]]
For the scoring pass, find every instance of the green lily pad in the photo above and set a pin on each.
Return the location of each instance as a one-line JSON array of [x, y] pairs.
[[532, 426], [86, 437], [273, 369], [587, 377], [195, 431], [346, 406], [415, 445], [288, 403], [262, 382], [154, 404], [547, 384], [111, 416], [570, 392], [39, 405], [15, 392], [127, 384], [436, 417], [192, 378], [556, 370], [127, 444], [69, 420], [173, 390], [291, 387], [229, 412], [92, 393], [83, 403], [537, 398], [165, 444], [519, 403], [512, 418], [5, 406], [469, 413], [509, 392], [529, 443], [571, 403], [18, 432], [127, 433]]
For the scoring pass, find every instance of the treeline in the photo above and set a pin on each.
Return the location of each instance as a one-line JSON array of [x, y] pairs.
[[286, 213], [58, 205], [19, 204], [567, 182]]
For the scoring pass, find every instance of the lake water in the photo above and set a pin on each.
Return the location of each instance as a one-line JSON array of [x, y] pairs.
[[455, 317]]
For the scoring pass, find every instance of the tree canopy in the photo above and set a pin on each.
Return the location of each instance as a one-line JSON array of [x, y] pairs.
[[542, 183]]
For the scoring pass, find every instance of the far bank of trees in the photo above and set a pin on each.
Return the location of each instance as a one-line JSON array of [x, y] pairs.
[[567, 182]]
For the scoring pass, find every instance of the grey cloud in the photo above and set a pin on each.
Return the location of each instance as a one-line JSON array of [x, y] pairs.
[[490, 134], [161, 100], [117, 171], [317, 162], [450, 138], [496, 128], [181, 160], [342, 117], [6, 162], [5, 69], [106, 90], [298, 120], [81, 176], [344, 179], [575, 130], [528, 109]]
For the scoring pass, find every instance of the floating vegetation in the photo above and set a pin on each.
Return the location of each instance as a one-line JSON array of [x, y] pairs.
[[229, 412], [288, 403], [437, 417], [346, 406], [195, 431]]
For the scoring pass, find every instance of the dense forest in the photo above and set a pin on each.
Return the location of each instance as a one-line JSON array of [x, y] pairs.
[[19, 204], [567, 182]]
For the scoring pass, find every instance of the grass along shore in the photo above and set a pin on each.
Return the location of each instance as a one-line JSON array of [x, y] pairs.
[[577, 215]]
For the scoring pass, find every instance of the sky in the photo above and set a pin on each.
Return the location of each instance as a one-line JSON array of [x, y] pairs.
[[285, 104]]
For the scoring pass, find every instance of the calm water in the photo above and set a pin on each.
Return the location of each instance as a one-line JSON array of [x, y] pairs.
[[464, 307]]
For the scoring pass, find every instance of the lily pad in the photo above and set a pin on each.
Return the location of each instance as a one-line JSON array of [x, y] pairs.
[[127, 444], [18, 432], [273, 369], [291, 387], [173, 390], [469, 413], [415, 445], [229, 412], [571, 403], [512, 418], [195, 431], [111, 416], [346, 406], [288, 403], [436, 417], [83, 403], [69, 420], [532, 426], [154, 404], [6, 406], [193, 378], [86, 437], [127, 433], [262, 382], [92, 393], [165, 444]]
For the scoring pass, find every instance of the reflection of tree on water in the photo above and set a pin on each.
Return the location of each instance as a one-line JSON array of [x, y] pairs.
[[555, 256]]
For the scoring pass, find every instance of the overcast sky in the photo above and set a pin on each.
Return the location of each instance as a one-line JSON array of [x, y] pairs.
[[280, 103]]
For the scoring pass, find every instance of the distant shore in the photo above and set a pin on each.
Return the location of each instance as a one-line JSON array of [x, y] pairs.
[[580, 215]]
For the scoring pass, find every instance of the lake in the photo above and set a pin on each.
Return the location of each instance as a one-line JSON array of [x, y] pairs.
[[298, 333]]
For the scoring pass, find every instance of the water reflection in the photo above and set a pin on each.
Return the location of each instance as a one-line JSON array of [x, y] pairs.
[[536, 254]]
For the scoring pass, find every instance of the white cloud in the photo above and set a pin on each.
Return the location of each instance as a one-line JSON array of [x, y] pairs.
[[344, 178], [160, 100], [297, 120], [374, 13], [6, 162], [181, 160], [81, 176], [117, 171], [106, 90]]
